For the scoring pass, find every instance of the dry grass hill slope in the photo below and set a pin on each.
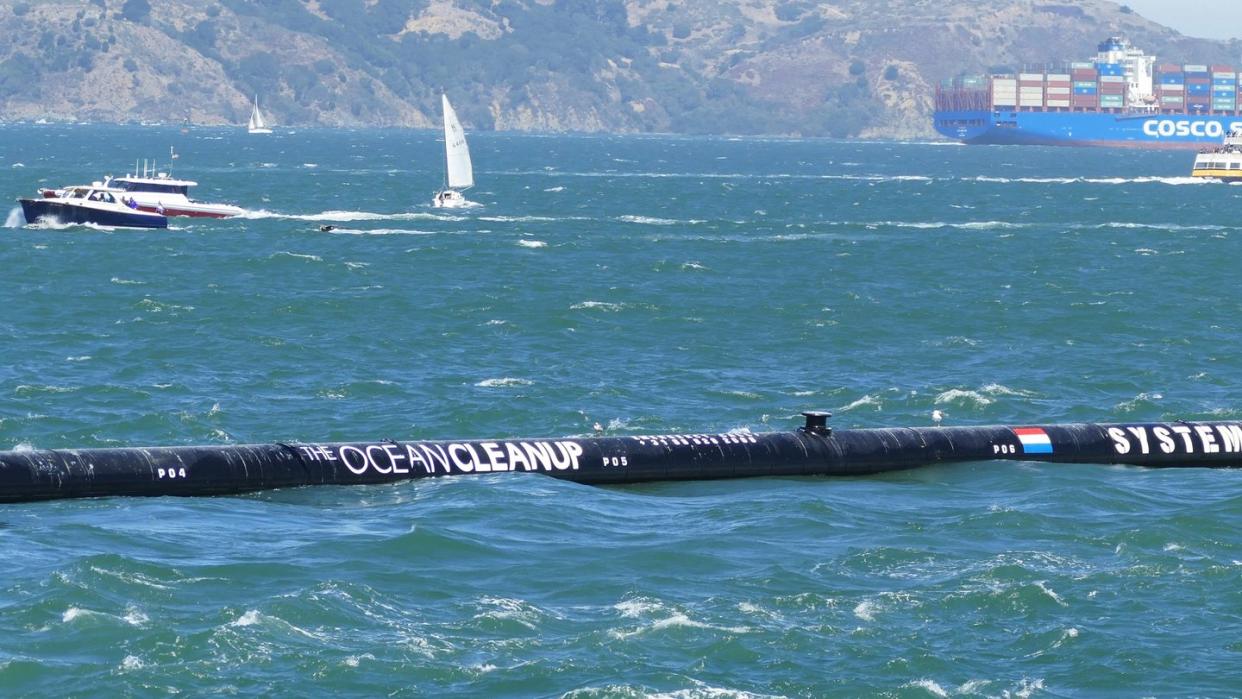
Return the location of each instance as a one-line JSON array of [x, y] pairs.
[[846, 68]]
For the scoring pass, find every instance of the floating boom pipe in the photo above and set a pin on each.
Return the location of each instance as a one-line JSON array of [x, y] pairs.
[[814, 449]]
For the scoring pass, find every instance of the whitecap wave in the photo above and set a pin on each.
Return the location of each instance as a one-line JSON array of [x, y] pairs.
[[933, 225], [518, 219], [504, 382], [350, 216], [602, 305], [532, 243], [1151, 226], [1043, 587], [296, 255], [135, 617], [996, 389], [379, 231], [637, 607], [250, 618], [1175, 181], [673, 621], [929, 686], [32, 389], [648, 220], [957, 396], [509, 609], [355, 660], [1138, 401], [866, 401], [987, 225], [865, 610]]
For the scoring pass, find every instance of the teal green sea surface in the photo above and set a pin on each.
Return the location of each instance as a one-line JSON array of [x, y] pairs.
[[648, 285]]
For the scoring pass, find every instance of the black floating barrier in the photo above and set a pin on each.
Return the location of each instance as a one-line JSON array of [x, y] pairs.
[[814, 449]]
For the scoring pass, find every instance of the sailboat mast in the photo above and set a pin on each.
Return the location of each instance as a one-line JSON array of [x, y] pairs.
[[444, 117]]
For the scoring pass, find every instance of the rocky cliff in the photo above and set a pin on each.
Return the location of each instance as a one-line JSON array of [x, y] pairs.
[[849, 68]]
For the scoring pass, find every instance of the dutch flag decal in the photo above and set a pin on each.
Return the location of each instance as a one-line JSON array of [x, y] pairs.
[[1034, 440]]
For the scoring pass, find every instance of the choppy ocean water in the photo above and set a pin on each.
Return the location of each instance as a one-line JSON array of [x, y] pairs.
[[649, 285]]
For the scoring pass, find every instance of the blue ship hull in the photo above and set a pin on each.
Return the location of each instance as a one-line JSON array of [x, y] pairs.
[[1006, 127], [35, 209]]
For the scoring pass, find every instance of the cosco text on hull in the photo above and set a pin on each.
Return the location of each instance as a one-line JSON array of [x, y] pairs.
[[1167, 128]]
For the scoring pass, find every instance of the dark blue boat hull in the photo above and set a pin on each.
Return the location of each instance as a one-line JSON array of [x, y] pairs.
[[35, 209]]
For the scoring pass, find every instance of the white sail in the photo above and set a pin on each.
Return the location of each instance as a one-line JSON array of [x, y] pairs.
[[257, 125], [456, 153]]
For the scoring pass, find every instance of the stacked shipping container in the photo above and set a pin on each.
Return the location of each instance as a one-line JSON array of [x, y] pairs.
[[1112, 85], [963, 94], [1086, 86], [1198, 88], [1170, 88], [1224, 89], [1005, 92], [1057, 88], [1094, 87]]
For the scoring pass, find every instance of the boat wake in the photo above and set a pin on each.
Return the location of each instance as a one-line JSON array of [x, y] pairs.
[[1175, 181], [350, 216], [933, 225], [47, 224], [649, 220], [379, 231], [15, 218]]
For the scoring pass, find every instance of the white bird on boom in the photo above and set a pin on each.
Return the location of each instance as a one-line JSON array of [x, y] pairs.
[[937, 416]]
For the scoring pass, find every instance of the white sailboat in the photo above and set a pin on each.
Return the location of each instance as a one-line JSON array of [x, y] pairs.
[[257, 125], [458, 170]]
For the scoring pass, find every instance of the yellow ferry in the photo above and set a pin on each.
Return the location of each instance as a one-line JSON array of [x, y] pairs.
[[1222, 163]]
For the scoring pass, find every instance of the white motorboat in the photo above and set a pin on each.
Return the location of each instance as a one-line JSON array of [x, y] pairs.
[[159, 192]]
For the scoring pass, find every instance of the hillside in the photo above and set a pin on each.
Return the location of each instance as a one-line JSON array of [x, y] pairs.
[[850, 68]]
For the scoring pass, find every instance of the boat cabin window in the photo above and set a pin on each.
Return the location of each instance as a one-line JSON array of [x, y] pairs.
[[1235, 166], [99, 196], [153, 187]]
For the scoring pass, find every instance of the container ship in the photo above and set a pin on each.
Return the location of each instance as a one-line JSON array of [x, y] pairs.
[[1122, 98]]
